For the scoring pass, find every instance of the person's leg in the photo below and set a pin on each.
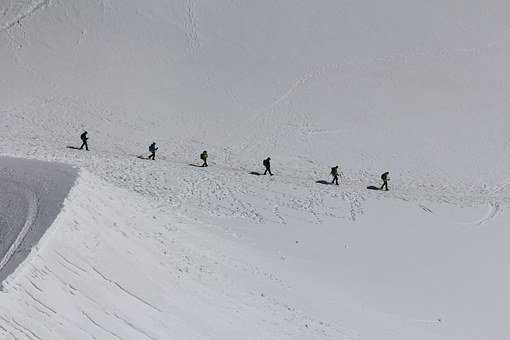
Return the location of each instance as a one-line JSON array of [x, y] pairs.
[[336, 180], [82, 145], [86, 146], [265, 172]]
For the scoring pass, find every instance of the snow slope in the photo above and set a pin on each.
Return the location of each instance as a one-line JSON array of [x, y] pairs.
[[358, 76], [115, 266], [164, 250], [32, 196]]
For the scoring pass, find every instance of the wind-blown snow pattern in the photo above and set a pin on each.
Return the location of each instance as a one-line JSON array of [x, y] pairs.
[[166, 249]]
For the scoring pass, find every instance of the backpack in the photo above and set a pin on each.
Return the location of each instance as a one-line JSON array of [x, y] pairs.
[[334, 171]]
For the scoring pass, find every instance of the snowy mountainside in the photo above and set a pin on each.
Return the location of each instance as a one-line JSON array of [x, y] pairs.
[[381, 86], [114, 266], [418, 89]]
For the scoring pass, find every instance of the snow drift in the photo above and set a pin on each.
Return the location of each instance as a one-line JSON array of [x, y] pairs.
[[164, 250]]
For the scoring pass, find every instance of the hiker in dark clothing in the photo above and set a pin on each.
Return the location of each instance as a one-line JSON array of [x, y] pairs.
[[152, 149], [334, 173], [84, 139], [385, 180], [203, 157], [267, 165]]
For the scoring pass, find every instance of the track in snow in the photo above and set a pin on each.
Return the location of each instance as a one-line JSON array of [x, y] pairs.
[[493, 210]]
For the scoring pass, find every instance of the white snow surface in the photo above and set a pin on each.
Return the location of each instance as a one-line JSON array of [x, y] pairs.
[[166, 250]]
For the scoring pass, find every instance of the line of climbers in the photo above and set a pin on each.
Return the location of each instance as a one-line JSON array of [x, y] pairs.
[[266, 162]]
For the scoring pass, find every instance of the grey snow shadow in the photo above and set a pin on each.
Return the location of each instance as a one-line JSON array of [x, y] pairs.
[[196, 165], [73, 147], [372, 187], [38, 190], [323, 182], [255, 173]]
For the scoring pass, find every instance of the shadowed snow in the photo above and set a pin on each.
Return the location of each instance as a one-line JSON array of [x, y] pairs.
[[31, 196]]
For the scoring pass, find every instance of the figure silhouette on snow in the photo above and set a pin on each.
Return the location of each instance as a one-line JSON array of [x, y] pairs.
[[152, 149], [267, 165], [385, 180], [203, 157], [334, 173], [84, 140]]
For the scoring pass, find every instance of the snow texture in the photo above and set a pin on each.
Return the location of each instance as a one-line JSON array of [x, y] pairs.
[[166, 249]]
